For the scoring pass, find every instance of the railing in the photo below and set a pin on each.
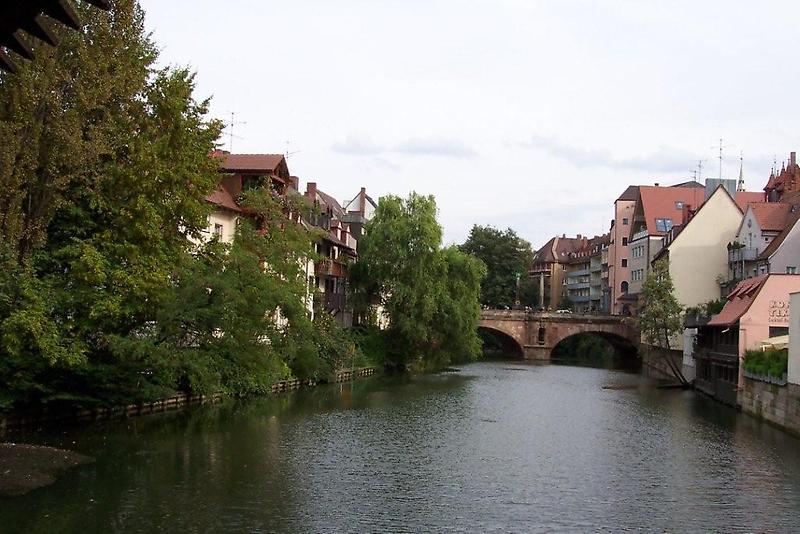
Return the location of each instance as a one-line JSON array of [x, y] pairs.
[[330, 267], [577, 285], [581, 272], [638, 235], [742, 254]]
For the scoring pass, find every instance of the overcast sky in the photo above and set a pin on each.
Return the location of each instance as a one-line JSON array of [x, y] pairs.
[[533, 115]]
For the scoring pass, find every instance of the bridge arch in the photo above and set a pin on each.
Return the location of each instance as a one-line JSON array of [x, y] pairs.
[[495, 339], [538, 333], [625, 350]]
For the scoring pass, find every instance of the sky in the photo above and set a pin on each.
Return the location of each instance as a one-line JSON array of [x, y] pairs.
[[533, 115]]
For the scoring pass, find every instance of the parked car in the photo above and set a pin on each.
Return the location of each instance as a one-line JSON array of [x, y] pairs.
[[563, 311]]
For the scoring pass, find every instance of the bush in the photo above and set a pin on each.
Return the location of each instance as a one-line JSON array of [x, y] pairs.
[[771, 362]]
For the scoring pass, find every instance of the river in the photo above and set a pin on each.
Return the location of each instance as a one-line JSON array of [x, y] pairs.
[[494, 447]]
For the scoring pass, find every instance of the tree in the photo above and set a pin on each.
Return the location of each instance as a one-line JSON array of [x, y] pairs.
[[430, 294], [660, 314], [104, 167], [507, 258]]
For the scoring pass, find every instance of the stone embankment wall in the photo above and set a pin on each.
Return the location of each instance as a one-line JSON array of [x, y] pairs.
[[15, 420], [779, 405], [654, 363]]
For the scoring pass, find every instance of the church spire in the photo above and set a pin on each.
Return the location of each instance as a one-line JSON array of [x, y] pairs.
[[740, 185]]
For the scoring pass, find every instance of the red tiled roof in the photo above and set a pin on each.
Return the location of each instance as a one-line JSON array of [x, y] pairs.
[[771, 216], [743, 198], [659, 203], [739, 301], [248, 162], [222, 197], [776, 242]]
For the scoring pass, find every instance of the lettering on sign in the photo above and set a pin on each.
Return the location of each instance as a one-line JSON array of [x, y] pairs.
[[779, 312]]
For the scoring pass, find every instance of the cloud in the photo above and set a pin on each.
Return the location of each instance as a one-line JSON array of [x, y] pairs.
[[357, 145], [435, 146], [665, 159], [362, 145]]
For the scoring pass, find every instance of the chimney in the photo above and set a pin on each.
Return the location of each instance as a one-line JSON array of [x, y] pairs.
[[311, 190], [686, 213], [362, 201], [656, 184], [579, 237], [792, 158]]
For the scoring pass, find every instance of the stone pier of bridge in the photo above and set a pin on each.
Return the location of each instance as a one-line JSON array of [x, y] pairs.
[[537, 333]]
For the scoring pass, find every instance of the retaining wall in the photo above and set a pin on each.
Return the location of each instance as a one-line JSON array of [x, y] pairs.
[[15, 420], [780, 405]]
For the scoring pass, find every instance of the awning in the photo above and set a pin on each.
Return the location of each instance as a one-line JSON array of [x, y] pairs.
[[777, 342]]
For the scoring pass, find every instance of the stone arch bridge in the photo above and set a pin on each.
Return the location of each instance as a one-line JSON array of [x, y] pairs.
[[536, 333]]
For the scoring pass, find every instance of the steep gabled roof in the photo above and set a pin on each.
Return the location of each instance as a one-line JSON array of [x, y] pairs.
[[661, 203], [743, 198], [771, 216], [780, 238], [223, 198], [739, 301], [266, 163]]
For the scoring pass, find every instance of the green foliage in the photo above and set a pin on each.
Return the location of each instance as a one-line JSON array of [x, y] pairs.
[[105, 298], [507, 258], [771, 362], [660, 312], [430, 294]]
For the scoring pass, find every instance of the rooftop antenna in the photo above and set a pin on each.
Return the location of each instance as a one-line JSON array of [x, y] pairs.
[[289, 153], [230, 126], [700, 169], [720, 158]]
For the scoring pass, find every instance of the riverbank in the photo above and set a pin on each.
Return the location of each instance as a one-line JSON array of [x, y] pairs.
[[23, 419]]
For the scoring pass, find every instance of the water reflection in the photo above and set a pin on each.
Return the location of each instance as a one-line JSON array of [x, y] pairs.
[[498, 446]]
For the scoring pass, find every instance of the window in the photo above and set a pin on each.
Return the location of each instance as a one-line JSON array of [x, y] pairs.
[[791, 269], [217, 229], [624, 241], [663, 225], [624, 262], [679, 205], [625, 221], [624, 287]]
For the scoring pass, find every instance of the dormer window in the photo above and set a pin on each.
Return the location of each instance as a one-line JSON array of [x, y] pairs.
[[663, 225]]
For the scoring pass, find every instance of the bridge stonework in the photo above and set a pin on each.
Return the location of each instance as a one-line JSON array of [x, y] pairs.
[[538, 333]]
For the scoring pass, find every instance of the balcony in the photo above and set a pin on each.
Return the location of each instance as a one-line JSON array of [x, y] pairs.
[[638, 235], [577, 285], [742, 254], [579, 299], [575, 274], [330, 267], [331, 302]]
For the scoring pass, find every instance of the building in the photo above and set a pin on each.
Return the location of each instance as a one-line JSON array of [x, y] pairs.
[[243, 172], [358, 211], [762, 223], [658, 211], [583, 282], [618, 271], [782, 254], [549, 268], [696, 251], [756, 310], [336, 250], [784, 182]]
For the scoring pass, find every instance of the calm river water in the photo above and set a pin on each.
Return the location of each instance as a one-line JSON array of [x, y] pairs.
[[495, 447]]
